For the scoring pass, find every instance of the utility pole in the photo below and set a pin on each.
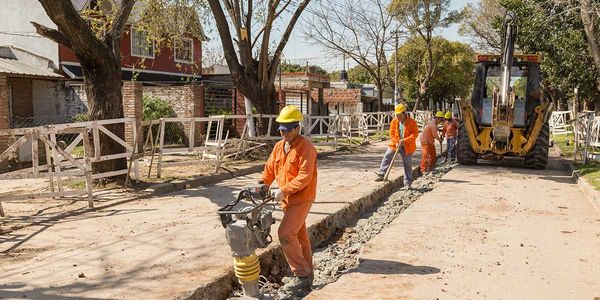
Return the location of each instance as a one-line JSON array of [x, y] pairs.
[[395, 32]]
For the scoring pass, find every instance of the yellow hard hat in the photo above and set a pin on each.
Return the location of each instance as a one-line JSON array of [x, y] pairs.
[[289, 114], [448, 115], [439, 114], [400, 108]]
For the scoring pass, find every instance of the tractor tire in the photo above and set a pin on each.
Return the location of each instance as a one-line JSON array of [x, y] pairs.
[[465, 155], [537, 158]]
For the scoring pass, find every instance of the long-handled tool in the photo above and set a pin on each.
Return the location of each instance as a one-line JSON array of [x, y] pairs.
[[387, 173]]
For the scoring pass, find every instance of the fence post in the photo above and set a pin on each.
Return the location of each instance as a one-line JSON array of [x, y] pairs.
[[590, 123], [89, 184], [160, 149]]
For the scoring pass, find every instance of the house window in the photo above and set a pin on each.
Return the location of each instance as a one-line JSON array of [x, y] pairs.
[[184, 50], [140, 46]]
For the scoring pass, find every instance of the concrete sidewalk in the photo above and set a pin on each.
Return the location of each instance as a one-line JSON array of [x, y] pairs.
[[163, 247], [483, 232]]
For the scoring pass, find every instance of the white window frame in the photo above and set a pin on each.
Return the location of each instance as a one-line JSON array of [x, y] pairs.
[[132, 30], [192, 51]]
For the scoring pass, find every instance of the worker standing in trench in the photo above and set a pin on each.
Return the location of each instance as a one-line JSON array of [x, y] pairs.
[[428, 138], [406, 127], [293, 163]]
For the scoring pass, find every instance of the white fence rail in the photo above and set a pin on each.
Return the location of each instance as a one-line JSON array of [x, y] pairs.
[[206, 138], [559, 122], [61, 159]]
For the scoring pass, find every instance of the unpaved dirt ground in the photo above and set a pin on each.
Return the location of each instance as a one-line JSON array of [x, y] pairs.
[[155, 248], [483, 232], [341, 253], [24, 213]]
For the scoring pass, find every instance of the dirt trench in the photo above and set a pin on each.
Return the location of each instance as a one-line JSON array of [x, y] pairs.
[[339, 253]]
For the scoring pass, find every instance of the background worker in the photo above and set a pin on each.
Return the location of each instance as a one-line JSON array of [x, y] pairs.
[[403, 137], [293, 164], [428, 138], [450, 132]]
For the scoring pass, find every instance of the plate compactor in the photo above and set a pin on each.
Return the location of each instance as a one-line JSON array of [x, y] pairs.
[[248, 228]]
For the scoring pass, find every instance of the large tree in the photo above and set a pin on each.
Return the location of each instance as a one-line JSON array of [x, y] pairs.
[[453, 76], [361, 30], [422, 18], [246, 31], [590, 17], [481, 24], [554, 29], [99, 56]]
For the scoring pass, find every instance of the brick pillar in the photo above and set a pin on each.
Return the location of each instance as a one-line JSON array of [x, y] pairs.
[[4, 117], [239, 108], [280, 99], [132, 106], [197, 95]]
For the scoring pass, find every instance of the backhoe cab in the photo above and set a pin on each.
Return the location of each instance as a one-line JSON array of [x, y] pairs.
[[506, 115]]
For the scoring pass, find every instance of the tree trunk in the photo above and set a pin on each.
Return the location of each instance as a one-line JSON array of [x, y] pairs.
[[379, 96], [100, 65], [103, 85], [589, 25], [265, 103]]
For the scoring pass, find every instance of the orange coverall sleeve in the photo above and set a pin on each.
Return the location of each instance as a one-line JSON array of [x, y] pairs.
[[394, 134], [308, 159], [413, 133], [434, 133], [268, 175]]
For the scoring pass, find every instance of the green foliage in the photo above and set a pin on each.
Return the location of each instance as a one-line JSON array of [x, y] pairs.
[[217, 111], [552, 29], [334, 76], [591, 172], [453, 75], [289, 67], [359, 74], [566, 144], [155, 108], [82, 117]]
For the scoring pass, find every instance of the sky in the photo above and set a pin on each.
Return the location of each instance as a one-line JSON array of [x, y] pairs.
[[298, 50]]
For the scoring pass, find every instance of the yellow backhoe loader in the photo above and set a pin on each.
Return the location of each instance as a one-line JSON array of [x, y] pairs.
[[506, 115]]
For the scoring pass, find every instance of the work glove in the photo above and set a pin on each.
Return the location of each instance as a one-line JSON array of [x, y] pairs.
[[278, 196]]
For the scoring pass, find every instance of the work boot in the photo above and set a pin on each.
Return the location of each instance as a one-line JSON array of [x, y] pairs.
[[287, 279], [298, 284], [379, 177]]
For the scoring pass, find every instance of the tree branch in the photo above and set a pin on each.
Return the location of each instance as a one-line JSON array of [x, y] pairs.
[[226, 41], [52, 34], [286, 35], [116, 28]]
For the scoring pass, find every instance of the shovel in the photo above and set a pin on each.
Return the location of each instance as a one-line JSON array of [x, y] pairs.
[[387, 173]]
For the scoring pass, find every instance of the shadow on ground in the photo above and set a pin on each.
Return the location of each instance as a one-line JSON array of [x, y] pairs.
[[376, 266]]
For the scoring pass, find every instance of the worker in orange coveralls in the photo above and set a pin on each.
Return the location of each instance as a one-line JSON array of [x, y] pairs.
[[428, 138], [293, 164], [403, 137]]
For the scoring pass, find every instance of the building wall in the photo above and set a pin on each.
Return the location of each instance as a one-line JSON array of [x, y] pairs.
[[15, 18], [178, 96], [51, 99], [163, 61], [22, 104]]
